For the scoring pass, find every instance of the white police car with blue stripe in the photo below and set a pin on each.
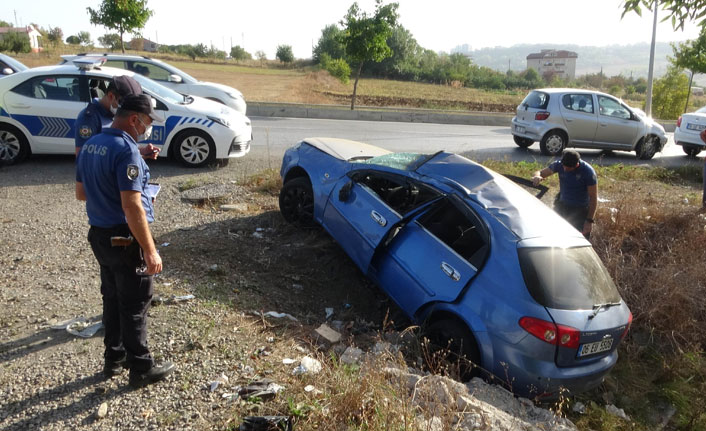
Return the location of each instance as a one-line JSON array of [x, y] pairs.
[[38, 110]]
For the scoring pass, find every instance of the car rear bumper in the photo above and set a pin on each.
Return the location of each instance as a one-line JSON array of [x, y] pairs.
[[529, 130], [690, 138]]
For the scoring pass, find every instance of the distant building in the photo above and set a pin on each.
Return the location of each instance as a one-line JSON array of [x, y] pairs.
[[697, 91], [142, 44], [552, 62], [30, 31]]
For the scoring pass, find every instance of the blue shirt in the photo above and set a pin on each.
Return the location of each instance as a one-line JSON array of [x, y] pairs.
[[108, 164], [90, 121], [573, 186]]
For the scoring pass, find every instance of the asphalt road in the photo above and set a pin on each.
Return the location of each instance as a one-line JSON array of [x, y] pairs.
[[273, 135]]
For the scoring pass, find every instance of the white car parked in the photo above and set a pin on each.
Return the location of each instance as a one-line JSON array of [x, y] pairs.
[[171, 77], [38, 110], [687, 133]]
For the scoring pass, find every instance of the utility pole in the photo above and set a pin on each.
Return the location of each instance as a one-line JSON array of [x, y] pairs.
[[15, 11], [650, 73]]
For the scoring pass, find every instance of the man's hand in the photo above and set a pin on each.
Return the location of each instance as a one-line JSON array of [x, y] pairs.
[[154, 263], [587, 227], [149, 151], [536, 180]]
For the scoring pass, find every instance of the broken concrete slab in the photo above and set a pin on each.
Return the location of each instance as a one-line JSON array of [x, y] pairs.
[[326, 335]]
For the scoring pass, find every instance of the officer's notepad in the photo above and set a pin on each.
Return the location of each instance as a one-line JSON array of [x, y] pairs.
[[152, 190]]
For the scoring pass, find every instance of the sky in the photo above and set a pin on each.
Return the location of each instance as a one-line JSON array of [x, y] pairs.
[[265, 24]]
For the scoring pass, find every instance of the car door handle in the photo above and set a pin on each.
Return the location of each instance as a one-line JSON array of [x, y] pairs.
[[379, 219], [20, 106], [568, 120], [603, 124], [450, 271]]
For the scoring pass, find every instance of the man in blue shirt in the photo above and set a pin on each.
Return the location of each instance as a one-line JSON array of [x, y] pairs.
[[578, 190], [112, 178], [99, 113]]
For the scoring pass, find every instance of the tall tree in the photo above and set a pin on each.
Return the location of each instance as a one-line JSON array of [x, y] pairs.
[[365, 36], [110, 41], [329, 43], [679, 11], [239, 53], [55, 35], [84, 38], [284, 53], [125, 16], [691, 55]]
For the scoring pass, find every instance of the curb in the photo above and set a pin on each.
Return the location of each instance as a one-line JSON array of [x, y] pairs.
[[403, 115]]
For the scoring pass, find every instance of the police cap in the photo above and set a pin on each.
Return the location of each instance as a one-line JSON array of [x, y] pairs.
[[141, 103]]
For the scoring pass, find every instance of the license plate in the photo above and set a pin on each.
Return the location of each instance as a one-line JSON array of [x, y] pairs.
[[596, 347], [697, 127], [520, 129]]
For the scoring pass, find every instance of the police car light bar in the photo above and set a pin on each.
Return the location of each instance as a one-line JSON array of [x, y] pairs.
[[86, 63]]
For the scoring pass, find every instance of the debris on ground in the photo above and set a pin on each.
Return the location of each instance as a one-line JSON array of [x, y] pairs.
[[352, 355], [159, 300], [263, 389], [222, 380], [615, 411], [326, 335], [102, 411], [307, 365], [266, 423], [80, 326]]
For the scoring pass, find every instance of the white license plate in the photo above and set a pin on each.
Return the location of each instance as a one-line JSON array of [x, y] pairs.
[[697, 127], [520, 129], [596, 347]]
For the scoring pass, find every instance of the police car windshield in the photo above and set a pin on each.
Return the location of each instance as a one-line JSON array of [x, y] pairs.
[[165, 93]]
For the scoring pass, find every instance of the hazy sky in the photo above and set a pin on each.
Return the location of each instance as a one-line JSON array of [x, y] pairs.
[[439, 25]]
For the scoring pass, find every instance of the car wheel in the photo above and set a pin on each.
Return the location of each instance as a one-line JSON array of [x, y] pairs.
[[647, 148], [691, 150], [453, 348], [522, 142], [13, 145], [195, 148], [296, 202], [553, 143]]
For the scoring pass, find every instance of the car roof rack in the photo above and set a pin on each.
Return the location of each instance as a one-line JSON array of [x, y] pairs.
[[111, 53]]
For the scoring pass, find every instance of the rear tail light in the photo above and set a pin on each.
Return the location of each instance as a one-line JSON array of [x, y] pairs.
[[549, 332], [627, 328], [679, 121], [541, 115]]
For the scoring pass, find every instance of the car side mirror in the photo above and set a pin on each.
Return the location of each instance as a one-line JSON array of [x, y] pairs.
[[345, 191], [7, 71], [174, 78]]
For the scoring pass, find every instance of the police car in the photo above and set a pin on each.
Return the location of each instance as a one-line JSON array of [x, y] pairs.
[[171, 77], [38, 110]]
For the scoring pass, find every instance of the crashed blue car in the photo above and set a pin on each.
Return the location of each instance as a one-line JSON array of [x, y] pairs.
[[472, 257]]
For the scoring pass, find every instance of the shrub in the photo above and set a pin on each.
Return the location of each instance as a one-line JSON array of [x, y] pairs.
[[338, 67]]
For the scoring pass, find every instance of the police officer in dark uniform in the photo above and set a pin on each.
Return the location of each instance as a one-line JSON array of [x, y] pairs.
[[112, 178]]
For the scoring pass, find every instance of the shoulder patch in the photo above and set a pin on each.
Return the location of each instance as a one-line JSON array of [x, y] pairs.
[[132, 172], [85, 132]]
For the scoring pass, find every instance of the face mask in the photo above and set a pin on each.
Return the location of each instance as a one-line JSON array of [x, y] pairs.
[[146, 134], [114, 109]]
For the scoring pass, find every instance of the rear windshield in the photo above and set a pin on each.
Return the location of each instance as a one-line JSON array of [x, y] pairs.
[[567, 279], [536, 100]]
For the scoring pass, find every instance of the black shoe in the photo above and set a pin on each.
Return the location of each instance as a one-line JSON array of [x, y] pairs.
[[139, 379], [113, 368]]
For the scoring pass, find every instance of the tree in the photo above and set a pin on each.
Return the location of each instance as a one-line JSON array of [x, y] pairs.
[[261, 56], [239, 53], [73, 40], [337, 67], [284, 53], [5, 24], [125, 16], [691, 55], [15, 42], [365, 37], [670, 93], [679, 11], [84, 38], [329, 43], [110, 41], [55, 35]]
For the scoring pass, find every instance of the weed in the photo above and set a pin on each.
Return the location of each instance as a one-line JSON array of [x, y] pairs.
[[190, 183]]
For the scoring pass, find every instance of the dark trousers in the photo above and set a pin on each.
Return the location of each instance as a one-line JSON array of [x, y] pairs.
[[575, 215], [703, 200], [126, 298]]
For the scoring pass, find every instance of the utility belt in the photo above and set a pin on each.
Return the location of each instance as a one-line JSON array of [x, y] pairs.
[[121, 238]]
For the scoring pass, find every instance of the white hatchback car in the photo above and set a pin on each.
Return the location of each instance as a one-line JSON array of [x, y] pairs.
[[38, 110], [688, 131], [171, 77]]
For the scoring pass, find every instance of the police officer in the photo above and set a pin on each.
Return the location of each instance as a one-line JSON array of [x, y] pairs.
[[112, 178], [578, 190], [99, 113]]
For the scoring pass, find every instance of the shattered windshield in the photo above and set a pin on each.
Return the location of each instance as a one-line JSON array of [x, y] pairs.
[[400, 161]]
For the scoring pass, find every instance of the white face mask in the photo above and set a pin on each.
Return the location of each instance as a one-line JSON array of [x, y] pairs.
[[113, 110], [146, 134]]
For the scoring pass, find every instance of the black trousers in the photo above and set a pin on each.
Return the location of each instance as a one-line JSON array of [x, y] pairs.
[[575, 215], [126, 298]]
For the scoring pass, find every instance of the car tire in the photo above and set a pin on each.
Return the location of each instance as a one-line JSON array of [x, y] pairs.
[[522, 142], [647, 148], [452, 347], [553, 143], [296, 202], [14, 146], [691, 150], [194, 148]]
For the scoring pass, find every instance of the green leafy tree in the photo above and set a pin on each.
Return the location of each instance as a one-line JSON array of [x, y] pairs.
[[365, 36], [55, 35], [239, 53], [125, 16], [5, 24], [73, 40], [284, 53], [15, 42], [405, 58], [679, 11], [329, 43], [670, 94], [110, 41], [691, 55], [337, 67], [84, 38]]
